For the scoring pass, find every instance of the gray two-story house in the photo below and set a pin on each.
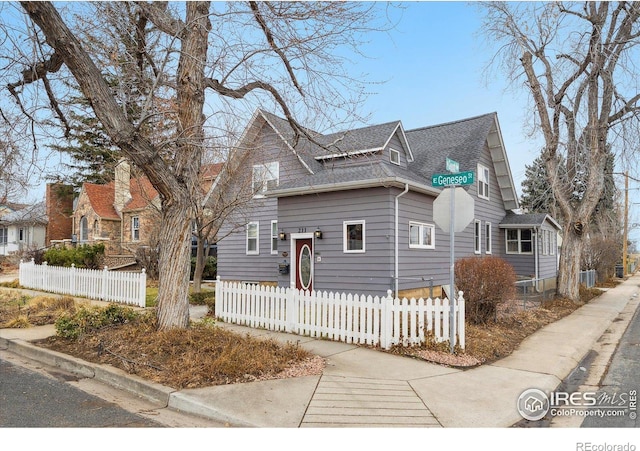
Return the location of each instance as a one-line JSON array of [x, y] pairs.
[[353, 211]]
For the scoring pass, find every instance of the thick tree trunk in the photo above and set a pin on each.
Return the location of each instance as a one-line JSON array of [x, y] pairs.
[[570, 259], [173, 284]]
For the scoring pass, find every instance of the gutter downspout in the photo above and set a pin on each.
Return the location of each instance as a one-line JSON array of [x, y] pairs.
[[536, 233], [397, 231]]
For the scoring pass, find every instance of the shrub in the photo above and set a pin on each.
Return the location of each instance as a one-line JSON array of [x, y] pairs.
[[88, 319], [203, 298], [486, 282], [83, 256], [210, 268]]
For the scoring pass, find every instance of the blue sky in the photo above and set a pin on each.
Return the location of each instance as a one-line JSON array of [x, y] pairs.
[[432, 68]]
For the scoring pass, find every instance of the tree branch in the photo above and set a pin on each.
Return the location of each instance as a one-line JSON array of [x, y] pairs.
[[263, 24]]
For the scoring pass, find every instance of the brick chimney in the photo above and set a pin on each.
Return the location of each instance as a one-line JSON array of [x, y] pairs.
[[122, 188], [59, 209]]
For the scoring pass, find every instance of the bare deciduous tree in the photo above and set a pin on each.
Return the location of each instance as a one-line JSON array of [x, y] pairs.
[[207, 59], [577, 62]]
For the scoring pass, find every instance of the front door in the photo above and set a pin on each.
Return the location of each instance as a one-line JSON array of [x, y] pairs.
[[304, 264]]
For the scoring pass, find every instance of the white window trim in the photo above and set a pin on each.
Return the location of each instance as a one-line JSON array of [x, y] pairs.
[[135, 228], [345, 239], [4, 235], [481, 180], [506, 243], [553, 242], [477, 236], [257, 238], [421, 226], [274, 237], [488, 236], [393, 152]]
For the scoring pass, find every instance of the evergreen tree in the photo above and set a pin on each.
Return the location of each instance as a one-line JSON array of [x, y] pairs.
[[537, 196]]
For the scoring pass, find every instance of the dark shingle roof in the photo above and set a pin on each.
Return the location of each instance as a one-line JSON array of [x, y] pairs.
[[461, 141], [526, 220]]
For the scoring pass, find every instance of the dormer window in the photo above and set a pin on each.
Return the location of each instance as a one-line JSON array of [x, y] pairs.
[[394, 156], [265, 176]]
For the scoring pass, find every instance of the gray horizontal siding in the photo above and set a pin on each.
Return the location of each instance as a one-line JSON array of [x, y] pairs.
[[367, 272]]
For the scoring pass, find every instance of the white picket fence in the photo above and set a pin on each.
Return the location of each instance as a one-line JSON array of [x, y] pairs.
[[360, 319], [104, 285]]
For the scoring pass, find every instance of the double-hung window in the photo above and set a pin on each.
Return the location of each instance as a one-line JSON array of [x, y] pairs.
[[135, 228], [421, 236], [354, 237], [519, 241], [4, 235], [483, 182], [253, 234], [477, 236], [274, 237]]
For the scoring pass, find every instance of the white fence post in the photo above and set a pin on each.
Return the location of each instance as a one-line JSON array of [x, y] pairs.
[[292, 312], [142, 300], [461, 320], [218, 303], [386, 313]]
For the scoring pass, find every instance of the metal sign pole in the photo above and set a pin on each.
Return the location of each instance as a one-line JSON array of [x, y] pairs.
[[452, 324]]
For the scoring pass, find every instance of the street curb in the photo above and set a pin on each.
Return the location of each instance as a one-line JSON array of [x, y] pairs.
[[151, 391], [184, 403]]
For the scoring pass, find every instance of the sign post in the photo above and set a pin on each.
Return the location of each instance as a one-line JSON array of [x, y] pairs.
[[451, 181]]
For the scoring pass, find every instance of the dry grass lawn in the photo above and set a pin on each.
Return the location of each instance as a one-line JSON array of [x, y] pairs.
[[206, 355]]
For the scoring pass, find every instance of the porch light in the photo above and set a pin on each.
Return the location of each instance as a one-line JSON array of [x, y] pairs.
[[318, 234], [282, 236]]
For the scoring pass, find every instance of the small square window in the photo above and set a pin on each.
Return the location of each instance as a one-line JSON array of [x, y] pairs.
[[421, 236], [394, 156]]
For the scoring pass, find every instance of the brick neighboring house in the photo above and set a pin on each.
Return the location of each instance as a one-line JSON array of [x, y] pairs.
[[122, 214]]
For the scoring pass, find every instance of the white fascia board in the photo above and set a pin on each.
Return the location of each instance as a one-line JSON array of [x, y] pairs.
[[275, 129], [404, 140]]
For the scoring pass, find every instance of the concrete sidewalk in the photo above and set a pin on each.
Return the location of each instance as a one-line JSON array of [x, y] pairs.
[[362, 387]]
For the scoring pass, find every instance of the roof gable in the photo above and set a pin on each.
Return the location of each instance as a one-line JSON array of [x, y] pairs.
[[142, 194], [101, 198]]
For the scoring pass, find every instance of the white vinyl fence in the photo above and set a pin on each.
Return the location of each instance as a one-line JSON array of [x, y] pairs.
[[104, 285], [360, 319]]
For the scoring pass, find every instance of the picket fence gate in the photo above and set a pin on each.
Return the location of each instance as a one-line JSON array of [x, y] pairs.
[[360, 319], [104, 285]]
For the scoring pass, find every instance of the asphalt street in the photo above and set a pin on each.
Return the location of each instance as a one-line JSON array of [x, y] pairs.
[[30, 399]]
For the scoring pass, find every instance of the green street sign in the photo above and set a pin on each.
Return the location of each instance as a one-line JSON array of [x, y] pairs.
[[459, 179]]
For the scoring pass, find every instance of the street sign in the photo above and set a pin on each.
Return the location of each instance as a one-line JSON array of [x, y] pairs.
[[460, 179], [452, 166], [464, 210]]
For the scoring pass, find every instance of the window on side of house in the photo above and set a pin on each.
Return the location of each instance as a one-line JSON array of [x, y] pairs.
[[487, 238], [354, 237], [421, 236], [265, 176], [519, 241], [545, 242], [253, 234], [553, 243], [483, 182], [4, 235], [394, 156], [274, 237], [135, 228], [84, 229], [477, 236]]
